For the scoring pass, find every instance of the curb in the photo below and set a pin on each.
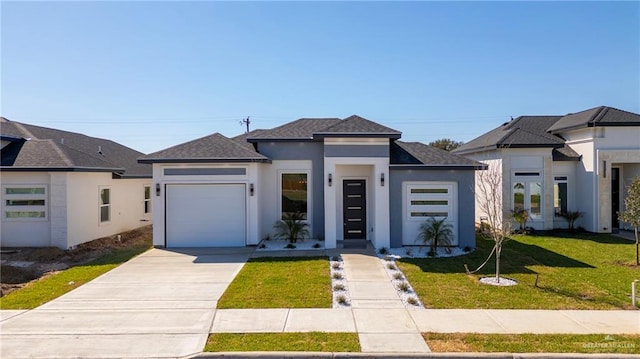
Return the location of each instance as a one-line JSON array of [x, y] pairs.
[[358, 355]]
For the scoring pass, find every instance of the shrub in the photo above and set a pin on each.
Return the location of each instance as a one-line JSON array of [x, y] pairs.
[[436, 232], [317, 245], [404, 286], [342, 299], [571, 217], [521, 216], [391, 266], [292, 227], [335, 265], [336, 275], [383, 250], [338, 287], [412, 301], [397, 276]]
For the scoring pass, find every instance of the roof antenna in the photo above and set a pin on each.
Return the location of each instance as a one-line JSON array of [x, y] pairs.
[[246, 122]]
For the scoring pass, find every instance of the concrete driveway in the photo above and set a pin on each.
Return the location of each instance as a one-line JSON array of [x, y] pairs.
[[160, 304]]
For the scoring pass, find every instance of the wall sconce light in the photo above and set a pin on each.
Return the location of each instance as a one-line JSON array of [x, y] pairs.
[[329, 180], [251, 189], [604, 170], [382, 179], [157, 189]]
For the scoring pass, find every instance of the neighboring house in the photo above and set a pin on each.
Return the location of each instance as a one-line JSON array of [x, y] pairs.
[[553, 164], [351, 178], [62, 188]]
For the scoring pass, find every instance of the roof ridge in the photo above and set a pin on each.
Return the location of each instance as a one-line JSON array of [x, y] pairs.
[[27, 133], [600, 114], [57, 149]]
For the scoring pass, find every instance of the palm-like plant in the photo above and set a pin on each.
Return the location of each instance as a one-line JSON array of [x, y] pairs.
[[292, 227], [436, 232], [521, 216]]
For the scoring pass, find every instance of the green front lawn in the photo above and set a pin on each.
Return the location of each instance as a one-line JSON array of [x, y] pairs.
[[48, 288], [588, 271], [310, 342], [301, 282], [534, 343]]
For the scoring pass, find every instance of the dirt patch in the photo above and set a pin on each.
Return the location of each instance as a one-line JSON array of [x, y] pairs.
[[19, 266]]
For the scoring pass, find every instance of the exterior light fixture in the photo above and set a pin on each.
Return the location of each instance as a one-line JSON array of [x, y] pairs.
[[604, 169], [329, 180], [157, 189], [382, 179], [251, 189]]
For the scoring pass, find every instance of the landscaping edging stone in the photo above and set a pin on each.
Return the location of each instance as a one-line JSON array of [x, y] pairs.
[[338, 278]]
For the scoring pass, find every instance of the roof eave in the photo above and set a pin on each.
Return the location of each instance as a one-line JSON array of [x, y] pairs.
[[558, 145], [275, 139], [204, 160], [478, 166], [391, 135], [58, 169]]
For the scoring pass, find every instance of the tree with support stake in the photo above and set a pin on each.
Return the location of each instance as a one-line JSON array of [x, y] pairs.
[[631, 213]]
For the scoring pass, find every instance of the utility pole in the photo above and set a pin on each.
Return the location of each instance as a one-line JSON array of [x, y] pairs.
[[246, 122]]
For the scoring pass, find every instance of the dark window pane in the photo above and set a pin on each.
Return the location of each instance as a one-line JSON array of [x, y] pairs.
[[294, 193], [25, 190], [25, 202], [104, 213], [429, 190]]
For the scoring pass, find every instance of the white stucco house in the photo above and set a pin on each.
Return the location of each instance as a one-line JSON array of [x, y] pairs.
[[61, 188], [552, 164], [352, 179]]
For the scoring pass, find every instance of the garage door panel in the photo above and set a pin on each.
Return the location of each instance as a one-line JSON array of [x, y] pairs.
[[428, 199], [206, 215]]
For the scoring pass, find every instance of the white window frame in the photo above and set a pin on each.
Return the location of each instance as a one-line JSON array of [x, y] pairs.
[[146, 202], [309, 196], [527, 177], [100, 205], [449, 197], [26, 208]]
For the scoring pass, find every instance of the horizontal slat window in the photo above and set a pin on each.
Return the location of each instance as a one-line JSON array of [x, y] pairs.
[[429, 214], [429, 190], [429, 202], [25, 202]]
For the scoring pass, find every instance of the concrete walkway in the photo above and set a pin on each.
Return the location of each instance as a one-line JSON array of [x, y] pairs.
[[160, 304]]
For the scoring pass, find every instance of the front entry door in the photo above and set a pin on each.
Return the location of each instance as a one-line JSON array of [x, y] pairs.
[[615, 197], [354, 209]]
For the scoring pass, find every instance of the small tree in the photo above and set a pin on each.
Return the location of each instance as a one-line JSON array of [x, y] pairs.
[[292, 227], [436, 232], [446, 144], [631, 213], [489, 199]]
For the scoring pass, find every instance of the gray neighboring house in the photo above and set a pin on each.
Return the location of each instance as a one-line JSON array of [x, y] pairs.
[[580, 161], [352, 179], [62, 188]]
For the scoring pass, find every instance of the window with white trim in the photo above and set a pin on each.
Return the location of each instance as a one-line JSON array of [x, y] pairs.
[[147, 199], [105, 204], [25, 202], [527, 193], [560, 194], [294, 193]]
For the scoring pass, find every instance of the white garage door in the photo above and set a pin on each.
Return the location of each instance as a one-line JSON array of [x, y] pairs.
[[429, 199], [206, 215]]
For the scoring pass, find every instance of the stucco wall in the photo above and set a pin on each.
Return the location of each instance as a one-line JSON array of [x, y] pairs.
[[466, 199], [296, 151], [83, 209]]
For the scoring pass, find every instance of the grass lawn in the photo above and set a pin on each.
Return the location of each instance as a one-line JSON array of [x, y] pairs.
[[302, 282], [586, 271], [48, 288], [533, 343], [309, 342]]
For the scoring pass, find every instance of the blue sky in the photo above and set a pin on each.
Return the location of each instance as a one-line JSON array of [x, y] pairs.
[[154, 74]]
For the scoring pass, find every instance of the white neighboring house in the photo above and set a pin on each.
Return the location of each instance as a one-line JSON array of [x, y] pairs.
[[552, 164], [61, 189]]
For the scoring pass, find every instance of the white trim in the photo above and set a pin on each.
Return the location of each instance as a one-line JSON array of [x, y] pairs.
[[409, 224]]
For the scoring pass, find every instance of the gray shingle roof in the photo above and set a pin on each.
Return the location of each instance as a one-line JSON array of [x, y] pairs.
[[302, 129], [48, 148], [565, 153], [212, 148], [416, 153], [357, 126], [524, 131], [598, 116]]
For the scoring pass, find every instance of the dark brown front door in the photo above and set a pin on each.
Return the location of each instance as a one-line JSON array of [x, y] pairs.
[[354, 209], [615, 197]]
